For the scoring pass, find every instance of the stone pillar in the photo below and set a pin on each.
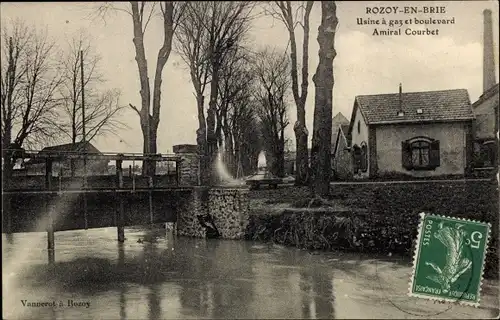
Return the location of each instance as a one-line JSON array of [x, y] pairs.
[[188, 211], [229, 209], [189, 171]]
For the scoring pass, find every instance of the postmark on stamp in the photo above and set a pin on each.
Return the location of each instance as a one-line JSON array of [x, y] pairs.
[[449, 259]]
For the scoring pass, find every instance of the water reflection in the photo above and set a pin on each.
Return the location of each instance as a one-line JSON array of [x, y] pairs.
[[154, 275], [123, 290], [318, 297], [9, 238]]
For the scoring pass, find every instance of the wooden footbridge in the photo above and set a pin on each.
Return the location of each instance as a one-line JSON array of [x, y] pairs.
[[69, 203]]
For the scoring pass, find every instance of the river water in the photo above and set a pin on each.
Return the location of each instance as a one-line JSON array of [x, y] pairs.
[[155, 275]]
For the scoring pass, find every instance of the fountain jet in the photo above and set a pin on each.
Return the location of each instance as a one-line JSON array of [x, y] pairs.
[[225, 177]]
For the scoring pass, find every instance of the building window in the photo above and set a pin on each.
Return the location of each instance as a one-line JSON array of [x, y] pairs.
[[359, 126], [420, 153]]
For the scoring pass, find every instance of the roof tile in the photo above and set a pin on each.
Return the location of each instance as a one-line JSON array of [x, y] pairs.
[[444, 105]]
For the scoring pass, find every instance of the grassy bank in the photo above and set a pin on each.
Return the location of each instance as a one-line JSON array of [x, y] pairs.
[[371, 218]]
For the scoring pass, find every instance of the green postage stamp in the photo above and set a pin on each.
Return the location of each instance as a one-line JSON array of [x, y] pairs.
[[449, 259]]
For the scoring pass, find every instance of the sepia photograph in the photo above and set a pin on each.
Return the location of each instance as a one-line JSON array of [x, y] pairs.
[[250, 160]]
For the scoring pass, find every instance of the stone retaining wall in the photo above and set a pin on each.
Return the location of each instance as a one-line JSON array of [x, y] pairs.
[[228, 207]]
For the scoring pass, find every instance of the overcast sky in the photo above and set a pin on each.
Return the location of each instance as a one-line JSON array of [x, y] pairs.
[[365, 64]]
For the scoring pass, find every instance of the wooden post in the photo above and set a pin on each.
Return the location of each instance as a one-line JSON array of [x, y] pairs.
[[121, 214], [84, 143], [85, 198], [50, 220], [151, 218]]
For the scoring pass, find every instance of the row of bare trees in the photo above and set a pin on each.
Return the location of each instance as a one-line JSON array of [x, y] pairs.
[[247, 93], [247, 110], [41, 87]]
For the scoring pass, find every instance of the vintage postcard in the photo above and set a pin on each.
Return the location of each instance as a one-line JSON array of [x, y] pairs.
[[250, 159]]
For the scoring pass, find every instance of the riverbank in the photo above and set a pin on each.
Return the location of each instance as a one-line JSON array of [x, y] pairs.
[[369, 218]]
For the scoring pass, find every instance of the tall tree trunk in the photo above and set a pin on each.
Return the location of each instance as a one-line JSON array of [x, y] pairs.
[[300, 128], [280, 155], [145, 92], [229, 153], [201, 139], [211, 118], [237, 159], [323, 81], [218, 128], [7, 112], [149, 122]]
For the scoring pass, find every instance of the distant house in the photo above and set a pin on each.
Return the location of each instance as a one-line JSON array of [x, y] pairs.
[[419, 134], [64, 167], [341, 162], [338, 121], [485, 128], [341, 157]]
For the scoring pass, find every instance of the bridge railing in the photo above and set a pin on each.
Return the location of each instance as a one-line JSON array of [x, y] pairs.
[[45, 177]]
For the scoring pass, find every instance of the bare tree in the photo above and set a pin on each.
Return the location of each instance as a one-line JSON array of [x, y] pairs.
[[248, 139], [192, 45], [235, 95], [272, 72], [246, 135], [324, 81], [284, 11], [29, 83], [102, 107], [227, 25], [141, 13], [210, 32]]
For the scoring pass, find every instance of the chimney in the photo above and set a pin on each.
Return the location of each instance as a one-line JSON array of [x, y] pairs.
[[488, 55], [400, 105]]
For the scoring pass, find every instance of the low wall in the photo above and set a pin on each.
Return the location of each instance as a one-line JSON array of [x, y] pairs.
[[228, 207], [384, 217]]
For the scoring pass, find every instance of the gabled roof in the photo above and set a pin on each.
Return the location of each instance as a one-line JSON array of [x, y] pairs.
[[337, 121], [436, 106], [345, 130], [68, 147], [72, 147], [343, 133], [340, 119], [486, 95]]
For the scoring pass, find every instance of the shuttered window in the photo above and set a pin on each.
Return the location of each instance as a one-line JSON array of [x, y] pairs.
[[420, 154]]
